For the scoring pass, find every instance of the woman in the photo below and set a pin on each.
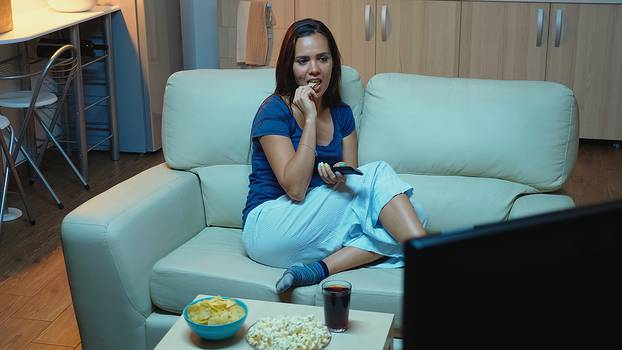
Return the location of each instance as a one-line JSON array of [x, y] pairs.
[[300, 215]]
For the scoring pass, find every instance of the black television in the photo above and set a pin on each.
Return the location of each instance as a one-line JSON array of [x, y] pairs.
[[550, 280]]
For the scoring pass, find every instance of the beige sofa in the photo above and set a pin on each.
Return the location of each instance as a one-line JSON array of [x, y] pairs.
[[475, 151]]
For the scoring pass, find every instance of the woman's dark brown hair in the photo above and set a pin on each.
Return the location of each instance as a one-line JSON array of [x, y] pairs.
[[285, 82]]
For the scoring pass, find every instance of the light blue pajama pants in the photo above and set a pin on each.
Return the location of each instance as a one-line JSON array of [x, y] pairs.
[[282, 232]]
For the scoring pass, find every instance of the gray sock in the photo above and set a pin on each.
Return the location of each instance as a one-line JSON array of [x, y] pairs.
[[302, 275]]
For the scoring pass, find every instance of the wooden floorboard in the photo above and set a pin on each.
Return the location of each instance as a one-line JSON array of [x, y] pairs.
[[62, 332], [596, 177], [32, 278], [38, 346], [35, 304]]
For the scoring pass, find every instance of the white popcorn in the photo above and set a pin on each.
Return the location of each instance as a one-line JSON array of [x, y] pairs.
[[289, 333]]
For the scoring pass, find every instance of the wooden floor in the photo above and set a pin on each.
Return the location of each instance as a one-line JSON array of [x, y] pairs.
[[35, 304]]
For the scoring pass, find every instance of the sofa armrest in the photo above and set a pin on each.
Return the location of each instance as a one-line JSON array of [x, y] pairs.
[[539, 203], [111, 243]]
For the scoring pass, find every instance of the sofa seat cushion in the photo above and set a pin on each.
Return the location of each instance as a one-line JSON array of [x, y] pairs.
[[214, 262], [538, 203], [453, 202]]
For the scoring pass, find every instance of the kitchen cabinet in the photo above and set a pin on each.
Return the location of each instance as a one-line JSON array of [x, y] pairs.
[[283, 15], [418, 36], [578, 45], [354, 36], [503, 40], [410, 36], [585, 54], [482, 39]]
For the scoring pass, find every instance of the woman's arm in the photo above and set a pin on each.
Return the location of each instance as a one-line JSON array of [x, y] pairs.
[[351, 150], [294, 169], [349, 155]]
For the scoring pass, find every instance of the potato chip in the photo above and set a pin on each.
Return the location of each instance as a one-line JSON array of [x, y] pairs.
[[215, 311]]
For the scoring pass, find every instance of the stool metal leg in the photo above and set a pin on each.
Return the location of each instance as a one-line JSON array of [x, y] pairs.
[[5, 177], [36, 169], [74, 37], [20, 188], [5, 186], [38, 172], [62, 152], [59, 107], [66, 131]]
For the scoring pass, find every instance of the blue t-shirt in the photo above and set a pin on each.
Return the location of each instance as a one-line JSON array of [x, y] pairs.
[[275, 118]]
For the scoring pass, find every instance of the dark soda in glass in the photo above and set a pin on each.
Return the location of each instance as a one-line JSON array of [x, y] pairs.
[[336, 304]]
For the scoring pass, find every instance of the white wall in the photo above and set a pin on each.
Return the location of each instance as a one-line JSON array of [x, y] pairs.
[[199, 32]]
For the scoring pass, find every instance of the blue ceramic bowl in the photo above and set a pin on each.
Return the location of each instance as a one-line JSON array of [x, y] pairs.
[[216, 332]]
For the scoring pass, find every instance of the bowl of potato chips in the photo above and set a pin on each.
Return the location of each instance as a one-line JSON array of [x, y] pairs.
[[215, 318]]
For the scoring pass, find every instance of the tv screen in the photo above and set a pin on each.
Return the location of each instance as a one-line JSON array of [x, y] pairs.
[[539, 281]]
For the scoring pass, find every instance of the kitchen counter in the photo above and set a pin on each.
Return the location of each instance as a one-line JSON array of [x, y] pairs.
[[40, 21], [37, 21]]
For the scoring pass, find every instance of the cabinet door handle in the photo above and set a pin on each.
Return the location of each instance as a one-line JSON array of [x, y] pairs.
[[558, 27], [383, 22], [540, 21], [367, 22]]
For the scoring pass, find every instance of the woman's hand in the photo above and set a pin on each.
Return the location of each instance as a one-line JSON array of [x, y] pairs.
[[304, 100], [327, 174]]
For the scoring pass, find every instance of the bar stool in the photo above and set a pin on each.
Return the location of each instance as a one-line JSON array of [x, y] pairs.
[[62, 66], [9, 168]]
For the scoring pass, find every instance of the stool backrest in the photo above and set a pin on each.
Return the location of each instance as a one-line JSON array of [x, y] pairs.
[[62, 66]]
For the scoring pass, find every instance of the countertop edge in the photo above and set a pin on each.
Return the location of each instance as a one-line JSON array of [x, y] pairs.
[[23, 30]]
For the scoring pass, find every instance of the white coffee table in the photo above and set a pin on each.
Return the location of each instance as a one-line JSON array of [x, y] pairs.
[[367, 330]]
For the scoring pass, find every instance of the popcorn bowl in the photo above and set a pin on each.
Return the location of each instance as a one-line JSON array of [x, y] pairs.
[[219, 331], [288, 332]]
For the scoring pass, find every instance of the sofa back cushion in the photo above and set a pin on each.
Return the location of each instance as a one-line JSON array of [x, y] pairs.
[[208, 113], [520, 131], [224, 189], [206, 129], [450, 202], [455, 202]]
